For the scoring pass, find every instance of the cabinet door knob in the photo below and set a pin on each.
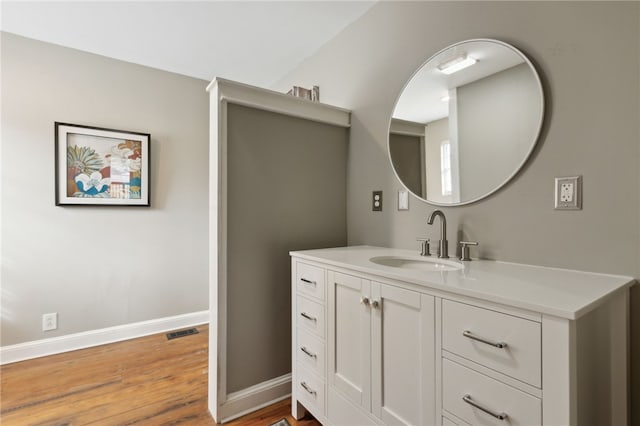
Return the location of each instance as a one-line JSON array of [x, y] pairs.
[[375, 304], [468, 400], [365, 301], [472, 336]]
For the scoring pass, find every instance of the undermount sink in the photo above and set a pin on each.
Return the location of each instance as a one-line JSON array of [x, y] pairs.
[[428, 264]]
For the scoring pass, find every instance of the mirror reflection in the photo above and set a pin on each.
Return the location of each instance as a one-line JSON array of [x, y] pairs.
[[466, 122]]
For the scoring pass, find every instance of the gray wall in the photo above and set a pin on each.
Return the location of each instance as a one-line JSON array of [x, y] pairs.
[[591, 129], [97, 266], [286, 191], [497, 119]]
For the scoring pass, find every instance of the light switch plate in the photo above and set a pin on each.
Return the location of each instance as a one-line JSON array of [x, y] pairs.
[[403, 200], [568, 193]]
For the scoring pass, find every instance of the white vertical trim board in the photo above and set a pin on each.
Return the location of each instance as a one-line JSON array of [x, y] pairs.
[[88, 339]]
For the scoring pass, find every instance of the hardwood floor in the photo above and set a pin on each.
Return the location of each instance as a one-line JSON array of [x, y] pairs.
[[272, 414], [144, 381]]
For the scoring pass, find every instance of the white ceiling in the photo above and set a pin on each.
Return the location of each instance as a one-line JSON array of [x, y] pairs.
[[253, 42], [420, 100]]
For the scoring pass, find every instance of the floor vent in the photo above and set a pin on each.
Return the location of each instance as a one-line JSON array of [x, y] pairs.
[[181, 333]]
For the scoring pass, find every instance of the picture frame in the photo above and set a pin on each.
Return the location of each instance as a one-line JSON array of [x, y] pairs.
[[96, 166]]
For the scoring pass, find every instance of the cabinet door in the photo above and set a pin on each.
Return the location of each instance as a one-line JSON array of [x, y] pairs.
[[349, 338], [403, 356]]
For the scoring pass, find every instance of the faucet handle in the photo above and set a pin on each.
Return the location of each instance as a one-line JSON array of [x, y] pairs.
[[464, 252], [424, 247]]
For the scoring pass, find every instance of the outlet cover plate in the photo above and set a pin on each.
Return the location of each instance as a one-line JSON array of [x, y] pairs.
[[50, 321], [376, 201], [568, 193]]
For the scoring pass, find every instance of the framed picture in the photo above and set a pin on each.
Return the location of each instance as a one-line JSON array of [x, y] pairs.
[[101, 167]]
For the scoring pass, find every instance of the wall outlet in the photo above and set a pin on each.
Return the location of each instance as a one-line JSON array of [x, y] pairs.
[[50, 321], [568, 193], [376, 201]]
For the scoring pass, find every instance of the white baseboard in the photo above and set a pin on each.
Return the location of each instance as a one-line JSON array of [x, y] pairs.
[[255, 397], [87, 339]]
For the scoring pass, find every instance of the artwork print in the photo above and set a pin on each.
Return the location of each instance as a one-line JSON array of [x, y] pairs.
[[98, 166]]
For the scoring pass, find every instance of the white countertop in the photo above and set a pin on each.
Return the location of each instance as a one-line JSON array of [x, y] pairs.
[[559, 292]]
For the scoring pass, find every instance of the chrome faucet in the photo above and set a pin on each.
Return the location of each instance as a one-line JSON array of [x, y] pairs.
[[443, 249]]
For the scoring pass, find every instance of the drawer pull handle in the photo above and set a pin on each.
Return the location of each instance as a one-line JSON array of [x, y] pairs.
[[309, 317], [470, 335], [306, 351], [304, 280], [468, 400], [307, 388]]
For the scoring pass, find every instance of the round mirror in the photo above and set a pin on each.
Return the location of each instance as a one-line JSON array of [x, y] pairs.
[[466, 122]]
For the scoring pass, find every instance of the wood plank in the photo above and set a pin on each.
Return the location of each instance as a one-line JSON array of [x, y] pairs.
[[149, 380]]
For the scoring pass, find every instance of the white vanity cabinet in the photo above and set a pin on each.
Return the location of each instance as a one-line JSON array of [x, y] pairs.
[[380, 358], [490, 344], [380, 351]]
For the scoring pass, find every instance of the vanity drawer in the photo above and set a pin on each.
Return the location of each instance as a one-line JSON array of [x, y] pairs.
[[310, 390], [310, 316], [463, 325], [310, 280], [310, 352], [459, 382], [448, 422]]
